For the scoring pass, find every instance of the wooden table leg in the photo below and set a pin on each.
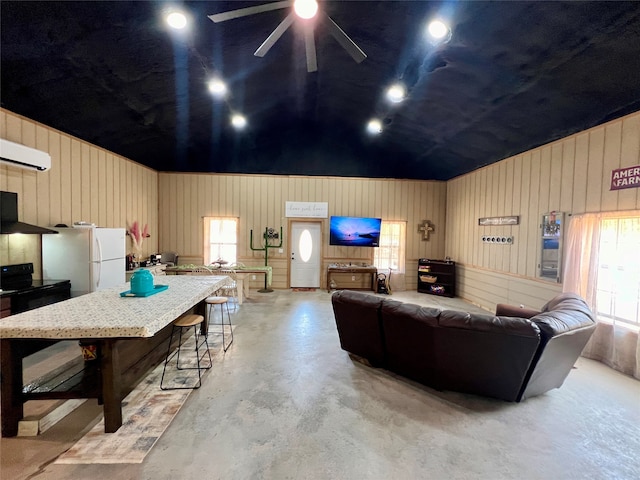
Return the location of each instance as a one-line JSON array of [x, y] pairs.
[[111, 382], [240, 288], [10, 387], [245, 288]]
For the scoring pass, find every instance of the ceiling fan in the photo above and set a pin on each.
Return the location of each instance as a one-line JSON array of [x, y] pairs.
[[306, 17]]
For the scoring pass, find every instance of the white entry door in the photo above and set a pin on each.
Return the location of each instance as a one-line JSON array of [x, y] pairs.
[[305, 254]]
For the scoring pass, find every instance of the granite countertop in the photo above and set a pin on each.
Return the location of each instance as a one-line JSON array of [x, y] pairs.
[[105, 314]]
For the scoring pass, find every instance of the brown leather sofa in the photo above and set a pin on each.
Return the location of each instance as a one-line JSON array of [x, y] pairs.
[[515, 354]]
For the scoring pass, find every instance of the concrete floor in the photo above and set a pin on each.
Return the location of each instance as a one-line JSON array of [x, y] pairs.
[[287, 403]]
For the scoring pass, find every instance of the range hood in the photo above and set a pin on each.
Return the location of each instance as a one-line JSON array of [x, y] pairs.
[[9, 219]]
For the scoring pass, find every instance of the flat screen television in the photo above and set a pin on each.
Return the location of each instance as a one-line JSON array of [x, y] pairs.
[[354, 231]]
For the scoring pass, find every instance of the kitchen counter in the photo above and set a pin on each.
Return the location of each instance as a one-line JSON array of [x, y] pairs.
[[130, 335], [105, 314], [241, 274], [156, 270]]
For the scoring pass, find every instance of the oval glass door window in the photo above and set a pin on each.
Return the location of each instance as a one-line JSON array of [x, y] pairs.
[[306, 246]]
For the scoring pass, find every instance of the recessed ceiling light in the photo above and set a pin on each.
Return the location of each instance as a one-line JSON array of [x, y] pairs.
[[396, 93], [176, 20], [305, 8], [217, 87], [238, 121], [374, 126], [439, 31]]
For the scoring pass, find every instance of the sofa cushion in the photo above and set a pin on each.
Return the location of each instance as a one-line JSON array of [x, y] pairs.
[[409, 332], [485, 354], [506, 310], [488, 323]]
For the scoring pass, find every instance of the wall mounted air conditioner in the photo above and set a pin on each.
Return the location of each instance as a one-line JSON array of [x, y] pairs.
[[21, 156]]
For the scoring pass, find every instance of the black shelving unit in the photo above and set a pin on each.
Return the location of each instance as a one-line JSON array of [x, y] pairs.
[[437, 277]]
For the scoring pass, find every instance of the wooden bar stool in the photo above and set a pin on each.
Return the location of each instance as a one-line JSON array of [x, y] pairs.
[[222, 301], [186, 322]]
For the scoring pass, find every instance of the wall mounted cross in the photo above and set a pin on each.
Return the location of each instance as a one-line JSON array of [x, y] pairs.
[[425, 228]]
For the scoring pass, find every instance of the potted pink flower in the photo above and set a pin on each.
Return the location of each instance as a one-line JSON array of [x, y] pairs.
[[137, 235]]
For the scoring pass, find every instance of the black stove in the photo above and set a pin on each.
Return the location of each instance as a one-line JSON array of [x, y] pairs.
[[16, 277], [25, 293]]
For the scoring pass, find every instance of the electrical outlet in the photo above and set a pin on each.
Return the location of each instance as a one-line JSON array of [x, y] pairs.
[[253, 277], [281, 250], [353, 278]]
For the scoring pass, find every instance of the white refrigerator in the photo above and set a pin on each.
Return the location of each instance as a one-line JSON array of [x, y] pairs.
[[92, 258]]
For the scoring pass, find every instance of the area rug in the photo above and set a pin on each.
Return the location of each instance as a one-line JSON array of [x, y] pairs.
[[146, 413]]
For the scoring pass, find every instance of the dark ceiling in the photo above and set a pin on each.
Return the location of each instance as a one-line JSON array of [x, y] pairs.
[[515, 75]]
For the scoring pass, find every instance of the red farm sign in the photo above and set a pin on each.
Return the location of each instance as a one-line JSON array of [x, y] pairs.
[[628, 177]]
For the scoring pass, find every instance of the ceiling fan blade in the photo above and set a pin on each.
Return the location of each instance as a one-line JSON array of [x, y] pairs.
[[275, 35], [243, 12], [310, 47], [344, 40]]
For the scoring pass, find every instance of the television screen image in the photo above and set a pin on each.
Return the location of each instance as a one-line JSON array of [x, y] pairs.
[[354, 231]]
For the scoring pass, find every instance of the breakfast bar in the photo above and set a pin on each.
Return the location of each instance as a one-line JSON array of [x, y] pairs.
[[129, 335]]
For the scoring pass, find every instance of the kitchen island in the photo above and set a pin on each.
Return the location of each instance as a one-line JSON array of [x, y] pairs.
[[130, 336]]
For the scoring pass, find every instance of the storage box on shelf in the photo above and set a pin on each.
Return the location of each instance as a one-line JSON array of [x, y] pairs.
[[437, 277]]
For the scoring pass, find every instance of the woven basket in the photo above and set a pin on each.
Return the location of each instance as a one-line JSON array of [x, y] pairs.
[[428, 278]]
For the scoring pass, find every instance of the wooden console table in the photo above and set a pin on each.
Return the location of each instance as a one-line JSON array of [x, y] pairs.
[[333, 268], [130, 334]]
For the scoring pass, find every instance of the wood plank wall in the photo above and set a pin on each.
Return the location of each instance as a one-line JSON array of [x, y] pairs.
[[571, 175], [85, 183], [258, 201]]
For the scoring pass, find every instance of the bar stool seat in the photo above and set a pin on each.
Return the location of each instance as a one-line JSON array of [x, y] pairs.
[[211, 302], [186, 322]]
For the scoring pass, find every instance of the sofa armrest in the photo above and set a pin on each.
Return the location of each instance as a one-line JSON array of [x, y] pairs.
[[359, 324], [506, 310]]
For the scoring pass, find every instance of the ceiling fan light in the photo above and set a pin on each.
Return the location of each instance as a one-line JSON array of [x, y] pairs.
[[396, 93], [305, 8], [217, 87], [374, 127], [238, 121], [176, 20]]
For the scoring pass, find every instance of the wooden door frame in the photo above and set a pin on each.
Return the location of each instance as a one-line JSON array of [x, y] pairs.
[[319, 221]]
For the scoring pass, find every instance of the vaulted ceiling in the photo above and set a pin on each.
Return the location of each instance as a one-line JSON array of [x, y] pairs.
[[514, 75]]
